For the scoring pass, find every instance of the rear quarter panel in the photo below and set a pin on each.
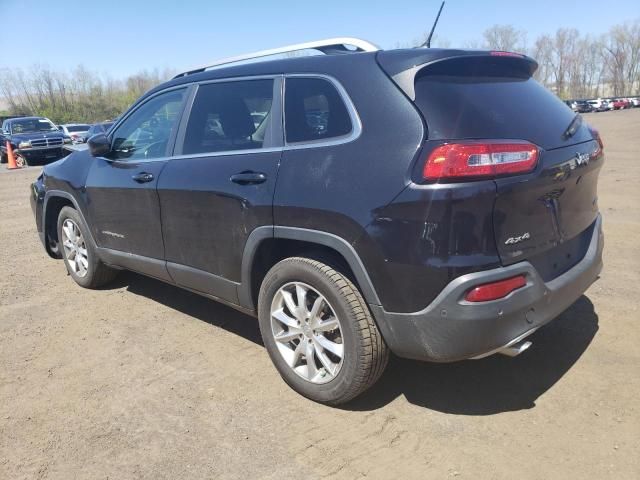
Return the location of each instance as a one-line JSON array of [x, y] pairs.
[[341, 189]]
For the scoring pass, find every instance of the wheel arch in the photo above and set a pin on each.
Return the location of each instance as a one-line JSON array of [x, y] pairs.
[[54, 202], [321, 245]]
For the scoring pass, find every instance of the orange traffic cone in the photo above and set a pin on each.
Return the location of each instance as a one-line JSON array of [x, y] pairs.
[[11, 159]]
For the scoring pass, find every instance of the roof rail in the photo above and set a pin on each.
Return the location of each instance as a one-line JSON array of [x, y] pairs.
[[330, 45]]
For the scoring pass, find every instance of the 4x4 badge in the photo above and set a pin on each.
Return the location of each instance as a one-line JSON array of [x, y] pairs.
[[514, 240]]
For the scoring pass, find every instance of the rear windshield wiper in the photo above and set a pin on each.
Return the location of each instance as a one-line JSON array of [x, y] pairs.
[[573, 127]]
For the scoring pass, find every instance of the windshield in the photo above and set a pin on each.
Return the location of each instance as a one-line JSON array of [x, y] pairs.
[[78, 128], [32, 125]]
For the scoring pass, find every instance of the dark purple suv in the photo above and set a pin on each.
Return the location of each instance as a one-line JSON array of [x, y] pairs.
[[438, 204]]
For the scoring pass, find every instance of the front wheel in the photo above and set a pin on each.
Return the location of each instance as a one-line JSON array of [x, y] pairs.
[[21, 161], [78, 252], [319, 332]]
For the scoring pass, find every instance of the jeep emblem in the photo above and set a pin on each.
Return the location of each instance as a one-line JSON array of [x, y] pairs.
[[582, 158]]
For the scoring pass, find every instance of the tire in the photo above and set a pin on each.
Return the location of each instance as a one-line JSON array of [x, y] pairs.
[[90, 272], [3, 158], [364, 353], [21, 161]]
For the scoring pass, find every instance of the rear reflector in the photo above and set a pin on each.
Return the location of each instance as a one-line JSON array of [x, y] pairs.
[[495, 290], [480, 159]]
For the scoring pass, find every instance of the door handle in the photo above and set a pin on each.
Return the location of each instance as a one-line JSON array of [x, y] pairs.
[[248, 178], [143, 177]]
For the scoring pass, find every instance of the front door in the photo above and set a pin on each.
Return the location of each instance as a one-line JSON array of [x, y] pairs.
[[220, 185], [121, 188]]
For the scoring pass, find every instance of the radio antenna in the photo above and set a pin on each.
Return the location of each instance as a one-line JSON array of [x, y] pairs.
[[428, 41]]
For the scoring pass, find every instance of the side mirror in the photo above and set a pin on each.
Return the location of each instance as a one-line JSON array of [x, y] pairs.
[[99, 145]]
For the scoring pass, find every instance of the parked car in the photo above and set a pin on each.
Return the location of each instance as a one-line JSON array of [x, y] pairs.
[[619, 104], [95, 129], [635, 102], [581, 106], [598, 105], [33, 140], [75, 131], [389, 201]]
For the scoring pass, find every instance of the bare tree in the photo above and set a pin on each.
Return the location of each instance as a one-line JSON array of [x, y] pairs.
[[505, 37]]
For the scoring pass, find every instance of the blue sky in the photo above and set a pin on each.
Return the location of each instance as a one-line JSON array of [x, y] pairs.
[[119, 37]]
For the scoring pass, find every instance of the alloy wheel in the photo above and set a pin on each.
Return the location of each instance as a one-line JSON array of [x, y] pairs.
[[21, 161], [307, 332], [75, 249]]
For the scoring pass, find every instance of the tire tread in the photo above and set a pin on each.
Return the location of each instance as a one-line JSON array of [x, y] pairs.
[[374, 352]]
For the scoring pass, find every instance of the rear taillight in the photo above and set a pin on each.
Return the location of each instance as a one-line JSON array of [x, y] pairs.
[[596, 136], [480, 159], [495, 290]]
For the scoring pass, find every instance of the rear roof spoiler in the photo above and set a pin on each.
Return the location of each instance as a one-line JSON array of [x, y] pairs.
[[403, 65]]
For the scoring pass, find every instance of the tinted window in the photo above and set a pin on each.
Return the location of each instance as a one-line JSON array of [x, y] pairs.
[[314, 110], [77, 128], [145, 133], [32, 125], [230, 116], [463, 99]]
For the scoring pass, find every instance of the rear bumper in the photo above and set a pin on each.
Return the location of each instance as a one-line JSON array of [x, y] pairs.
[[451, 328]]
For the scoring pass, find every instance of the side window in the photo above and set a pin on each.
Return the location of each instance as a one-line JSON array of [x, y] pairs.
[[230, 116], [145, 134], [314, 110]]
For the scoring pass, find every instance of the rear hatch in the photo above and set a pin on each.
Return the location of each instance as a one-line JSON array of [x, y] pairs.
[[544, 215]]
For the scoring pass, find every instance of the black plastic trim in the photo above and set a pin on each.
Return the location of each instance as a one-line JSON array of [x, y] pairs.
[[152, 267], [62, 194], [330, 240], [451, 328], [203, 282]]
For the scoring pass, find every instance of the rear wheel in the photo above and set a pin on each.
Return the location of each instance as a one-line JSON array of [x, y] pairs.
[[319, 332], [78, 252]]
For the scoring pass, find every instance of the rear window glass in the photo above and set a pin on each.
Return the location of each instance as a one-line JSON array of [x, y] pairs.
[[230, 116], [314, 110], [475, 100]]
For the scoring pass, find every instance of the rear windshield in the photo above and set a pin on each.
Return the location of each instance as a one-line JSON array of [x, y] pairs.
[[78, 128], [463, 99]]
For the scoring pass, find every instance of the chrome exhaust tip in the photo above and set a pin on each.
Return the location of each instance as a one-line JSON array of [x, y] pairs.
[[515, 349]]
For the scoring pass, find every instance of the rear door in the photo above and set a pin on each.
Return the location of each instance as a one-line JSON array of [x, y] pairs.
[[493, 98], [122, 201], [220, 185]]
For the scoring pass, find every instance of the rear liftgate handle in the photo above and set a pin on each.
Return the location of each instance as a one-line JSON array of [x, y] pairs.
[[248, 178]]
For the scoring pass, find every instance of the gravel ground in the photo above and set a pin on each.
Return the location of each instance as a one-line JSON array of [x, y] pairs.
[[144, 380]]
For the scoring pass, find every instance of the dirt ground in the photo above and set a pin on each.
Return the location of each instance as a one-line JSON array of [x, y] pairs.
[[144, 380]]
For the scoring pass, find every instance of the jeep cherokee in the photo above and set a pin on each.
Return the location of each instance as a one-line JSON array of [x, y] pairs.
[[439, 204]]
